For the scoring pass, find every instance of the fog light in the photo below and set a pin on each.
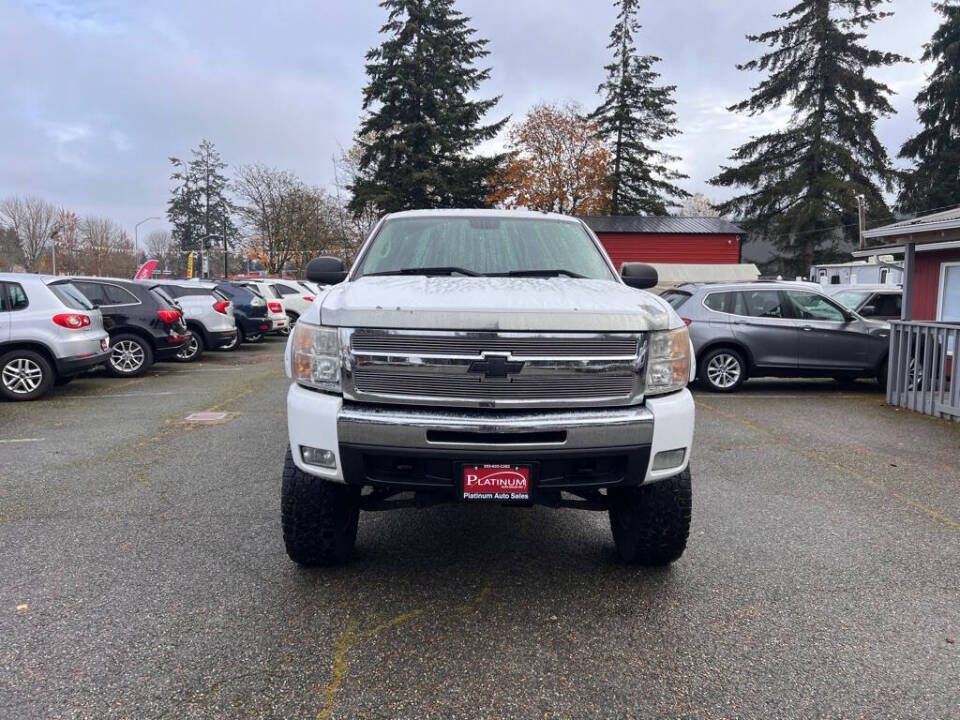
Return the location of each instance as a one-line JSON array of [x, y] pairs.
[[669, 459], [318, 457]]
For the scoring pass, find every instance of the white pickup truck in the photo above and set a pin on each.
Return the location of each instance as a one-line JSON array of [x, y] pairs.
[[480, 356]]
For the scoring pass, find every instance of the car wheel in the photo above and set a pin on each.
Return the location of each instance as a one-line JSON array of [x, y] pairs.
[[650, 523], [253, 337], [130, 356], [724, 370], [25, 375], [882, 375], [319, 517], [193, 350]]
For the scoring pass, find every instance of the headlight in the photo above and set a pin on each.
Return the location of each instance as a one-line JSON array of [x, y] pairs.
[[315, 356], [668, 361]]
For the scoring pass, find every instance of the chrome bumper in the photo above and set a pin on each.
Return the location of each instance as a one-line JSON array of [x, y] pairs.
[[479, 430]]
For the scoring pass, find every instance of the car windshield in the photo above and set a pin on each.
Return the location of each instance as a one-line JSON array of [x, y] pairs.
[[70, 296], [483, 246], [851, 298]]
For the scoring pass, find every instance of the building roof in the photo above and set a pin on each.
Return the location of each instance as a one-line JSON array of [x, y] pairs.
[[661, 225], [937, 222]]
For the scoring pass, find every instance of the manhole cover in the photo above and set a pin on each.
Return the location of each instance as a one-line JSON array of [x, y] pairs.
[[208, 418]]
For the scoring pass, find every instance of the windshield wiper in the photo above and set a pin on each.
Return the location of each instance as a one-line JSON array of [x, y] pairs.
[[541, 273], [445, 270]]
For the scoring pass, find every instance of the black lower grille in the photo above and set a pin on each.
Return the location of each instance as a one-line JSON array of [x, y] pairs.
[[407, 468]]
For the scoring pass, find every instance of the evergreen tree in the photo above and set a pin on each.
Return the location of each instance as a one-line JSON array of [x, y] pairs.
[[803, 181], [635, 114], [420, 128], [934, 181], [198, 209]]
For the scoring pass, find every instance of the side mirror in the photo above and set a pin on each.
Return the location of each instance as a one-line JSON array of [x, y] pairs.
[[326, 270], [868, 310], [639, 275]]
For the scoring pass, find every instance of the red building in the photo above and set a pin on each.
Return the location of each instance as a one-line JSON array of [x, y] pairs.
[[930, 246], [673, 240], [923, 372]]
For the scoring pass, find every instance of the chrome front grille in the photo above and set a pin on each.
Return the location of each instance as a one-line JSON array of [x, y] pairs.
[[490, 369], [519, 346]]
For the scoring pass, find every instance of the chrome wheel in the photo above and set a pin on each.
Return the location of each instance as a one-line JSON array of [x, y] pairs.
[[189, 351], [22, 376], [127, 356], [723, 371]]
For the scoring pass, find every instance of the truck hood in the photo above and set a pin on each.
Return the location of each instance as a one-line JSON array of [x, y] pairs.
[[495, 303]]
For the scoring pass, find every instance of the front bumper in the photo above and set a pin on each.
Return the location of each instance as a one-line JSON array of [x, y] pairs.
[[414, 447]]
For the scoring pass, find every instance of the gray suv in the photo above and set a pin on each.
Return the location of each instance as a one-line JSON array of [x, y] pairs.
[[748, 330], [49, 332]]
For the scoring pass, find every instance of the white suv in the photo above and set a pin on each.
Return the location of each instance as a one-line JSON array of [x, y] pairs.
[[49, 332], [295, 297]]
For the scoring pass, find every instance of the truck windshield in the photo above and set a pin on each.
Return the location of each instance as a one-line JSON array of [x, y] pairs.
[[483, 246]]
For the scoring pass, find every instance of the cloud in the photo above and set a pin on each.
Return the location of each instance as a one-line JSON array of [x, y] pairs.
[[98, 93]]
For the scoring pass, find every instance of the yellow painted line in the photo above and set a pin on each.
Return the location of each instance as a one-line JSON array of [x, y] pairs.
[[349, 638], [475, 603], [822, 457]]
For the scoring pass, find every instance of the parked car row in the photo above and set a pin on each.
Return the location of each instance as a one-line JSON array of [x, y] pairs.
[[763, 329], [53, 328]]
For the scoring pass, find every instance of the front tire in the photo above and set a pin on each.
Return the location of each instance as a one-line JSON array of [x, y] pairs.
[[724, 370], [650, 523], [25, 375], [252, 338], [130, 356], [319, 517]]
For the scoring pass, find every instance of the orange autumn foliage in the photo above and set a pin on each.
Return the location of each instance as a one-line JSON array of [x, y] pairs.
[[560, 164]]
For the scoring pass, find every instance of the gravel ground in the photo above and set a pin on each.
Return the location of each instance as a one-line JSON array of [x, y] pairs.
[[142, 573]]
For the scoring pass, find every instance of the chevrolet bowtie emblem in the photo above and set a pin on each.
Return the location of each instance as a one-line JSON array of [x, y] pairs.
[[495, 366]]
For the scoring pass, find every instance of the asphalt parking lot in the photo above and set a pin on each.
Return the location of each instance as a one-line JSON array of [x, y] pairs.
[[142, 572]]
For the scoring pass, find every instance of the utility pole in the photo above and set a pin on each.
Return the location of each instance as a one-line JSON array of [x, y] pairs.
[[136, 236], [862, 221]]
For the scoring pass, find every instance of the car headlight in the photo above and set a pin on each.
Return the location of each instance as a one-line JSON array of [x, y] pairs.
[[668, 361], [315, 356]]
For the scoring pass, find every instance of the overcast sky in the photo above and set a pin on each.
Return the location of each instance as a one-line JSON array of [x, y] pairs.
[[96, 94]]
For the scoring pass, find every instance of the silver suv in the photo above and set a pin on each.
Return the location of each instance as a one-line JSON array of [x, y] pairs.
[[49, 332], [777, 329], [207, 312]]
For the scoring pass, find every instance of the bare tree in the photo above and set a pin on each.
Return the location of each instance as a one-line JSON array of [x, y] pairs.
[[108, 247], [160, 246], [697, 205], [34, 221]]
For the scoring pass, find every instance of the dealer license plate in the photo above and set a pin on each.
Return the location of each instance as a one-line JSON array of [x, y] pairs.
[[497, 483]]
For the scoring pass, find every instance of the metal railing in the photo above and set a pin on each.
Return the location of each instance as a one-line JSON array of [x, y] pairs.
[[922, 373]]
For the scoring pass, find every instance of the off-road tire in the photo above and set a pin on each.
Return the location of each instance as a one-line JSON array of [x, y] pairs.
[[650, 523], [721, 356], [29, 362], [319, 517], [118, 342]]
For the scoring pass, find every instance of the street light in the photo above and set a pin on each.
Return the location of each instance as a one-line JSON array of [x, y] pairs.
[[136, 235]]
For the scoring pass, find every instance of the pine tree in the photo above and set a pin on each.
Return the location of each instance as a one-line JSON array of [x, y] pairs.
[[199, 209], [934, 182], [420, 128], [635, 114], [803, 181]]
